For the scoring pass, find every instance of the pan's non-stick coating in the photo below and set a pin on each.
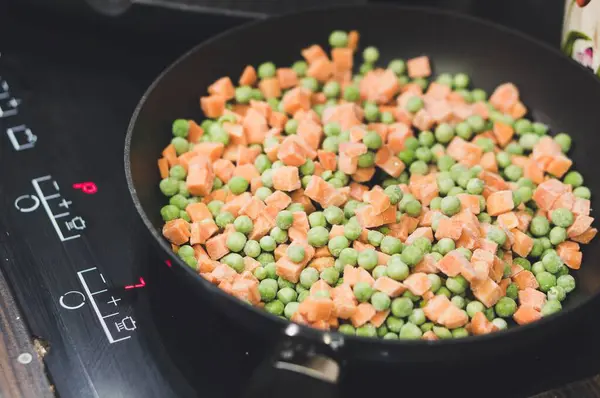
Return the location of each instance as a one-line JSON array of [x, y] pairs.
[[556, 90]]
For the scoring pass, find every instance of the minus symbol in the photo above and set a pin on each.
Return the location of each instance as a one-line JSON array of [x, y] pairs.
[[56, 185], [108, 316], [99, 291], [61, 215], [56, 195]]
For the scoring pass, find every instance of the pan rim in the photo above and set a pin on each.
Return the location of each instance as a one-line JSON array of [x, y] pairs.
[[305, 330]]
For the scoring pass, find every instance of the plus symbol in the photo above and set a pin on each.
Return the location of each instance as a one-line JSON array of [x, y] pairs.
[[113, 301], [65, 203]]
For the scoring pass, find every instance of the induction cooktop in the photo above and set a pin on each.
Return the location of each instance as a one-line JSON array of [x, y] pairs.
[[84, 270]]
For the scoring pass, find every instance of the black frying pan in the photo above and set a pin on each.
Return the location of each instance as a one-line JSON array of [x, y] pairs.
[[557, 91]]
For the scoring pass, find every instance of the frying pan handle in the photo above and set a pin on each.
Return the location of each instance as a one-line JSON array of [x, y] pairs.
[[299, 366]]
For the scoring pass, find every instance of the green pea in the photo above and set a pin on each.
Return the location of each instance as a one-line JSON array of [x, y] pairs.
[[539, 128], [444, 133], [252, 248], [445, 185], [330, 275], [557, 235], [394, 193], [334, 215], [474, 307], [551, 307], [267, 243], [556, 293], [417, 317], [370, 54], [514, 149], [407, 156], [426, 138], [397, 269], [266, 70], [450, 205], [424, 154], [573, 178], [388, 117], [523, 126], [300, 67], [284, 219], [513, 172], [238, 185], [582, 192], [367, 259], [390, 245], [346, 328], [338, 38], [372, 140], [243, 94], [169, 186], [295, 253], [260, 273], [567, 282], [362, 291], [562, 217], [539, 226], [180, 128], [223, 219], [476, 123], [351, 93], [419, 167], [380, 301], [318, 236], [243, 224], [337, 244], [169, 212], [402, 307], [348, 256], [290, 308], [546, 280], [457, 284], [445, 162], [461, 81], [263, 193], [464, 130], [496, 234], [398, 66], [564, 140], [411, 255], [445, 79], [505, 307], [317, 219], [236, 241], [414, 104], [500, 323], [308, 277]]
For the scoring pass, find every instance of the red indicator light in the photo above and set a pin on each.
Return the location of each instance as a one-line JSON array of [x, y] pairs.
[[141, 284], [87, 187], [168, 262]]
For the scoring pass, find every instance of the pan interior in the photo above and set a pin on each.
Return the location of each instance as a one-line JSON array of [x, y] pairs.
[[556, 90]]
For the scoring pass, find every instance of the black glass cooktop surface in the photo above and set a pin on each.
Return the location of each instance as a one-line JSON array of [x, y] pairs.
[[85, 272]]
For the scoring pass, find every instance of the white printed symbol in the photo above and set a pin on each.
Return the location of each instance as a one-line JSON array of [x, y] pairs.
[[113, 301], [65, 203], [3, 89], [75, 223], [9, 107], [126, 323], [21, 137], [21, 203], [77, 296]]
